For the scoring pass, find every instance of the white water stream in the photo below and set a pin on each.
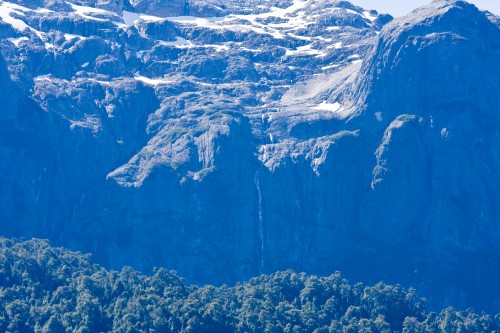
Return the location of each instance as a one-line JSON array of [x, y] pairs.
[[261, 228]]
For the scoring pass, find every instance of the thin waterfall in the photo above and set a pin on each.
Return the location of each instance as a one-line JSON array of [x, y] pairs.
[[261, 228]]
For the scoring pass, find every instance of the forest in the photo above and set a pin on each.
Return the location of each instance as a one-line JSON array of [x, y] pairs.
[[49, 289]]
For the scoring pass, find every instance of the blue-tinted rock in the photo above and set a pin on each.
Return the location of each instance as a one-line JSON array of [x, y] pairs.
[[300, 136]]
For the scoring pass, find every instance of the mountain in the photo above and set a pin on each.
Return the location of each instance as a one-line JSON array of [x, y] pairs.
[[225, 140]]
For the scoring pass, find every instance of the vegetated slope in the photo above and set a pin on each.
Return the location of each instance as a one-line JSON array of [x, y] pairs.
[[245, 139], [46, 289]]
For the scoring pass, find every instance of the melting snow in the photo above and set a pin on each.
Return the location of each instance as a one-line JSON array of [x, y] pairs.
[[179, 42], [129, 18], [329, 67], [71, 36], [445, 134], [43, 10], [84, 10], [378, 115], [150, 81], [102, 83], [365, 14], [294, 19], [184, 43], [369, 16], [201, 22], [47, 77], [151, 18], [305, 50], [325, 106], [6, 11], [232, 22], [17, 41], [227, 22], [351, 11]]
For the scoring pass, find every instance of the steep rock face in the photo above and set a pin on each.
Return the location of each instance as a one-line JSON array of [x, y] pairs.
[[7, 93], [434, 185], [291, 134], [145, 129], [454, 48]]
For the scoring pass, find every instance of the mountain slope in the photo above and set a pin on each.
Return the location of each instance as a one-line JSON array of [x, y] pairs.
[[311, 135]]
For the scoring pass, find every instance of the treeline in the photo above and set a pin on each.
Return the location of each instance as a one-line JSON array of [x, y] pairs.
[[47, 289]]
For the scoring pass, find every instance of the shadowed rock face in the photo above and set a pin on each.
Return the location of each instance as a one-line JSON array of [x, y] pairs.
[[7, 94], [435, 165], [299, 136]]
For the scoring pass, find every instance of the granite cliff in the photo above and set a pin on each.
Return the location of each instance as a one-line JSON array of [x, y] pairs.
[[227, 140]]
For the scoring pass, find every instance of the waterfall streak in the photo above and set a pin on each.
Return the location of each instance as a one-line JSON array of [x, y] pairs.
[[261, 229]]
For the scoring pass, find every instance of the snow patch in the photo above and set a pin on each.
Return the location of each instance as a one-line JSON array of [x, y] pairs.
[[43, 11], [350, 11], [84, 10], [324, 68], [153, 82], [337, 45], [151, 18], [366, 14], [369, 16], [6, 11], [72, 36], [292, 20], [305, 50], [183, 43], [130, 18], [100, 82], [179, 42], [207, 22], [17, 41], [325, 106], [445, 134], [47, 77]]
